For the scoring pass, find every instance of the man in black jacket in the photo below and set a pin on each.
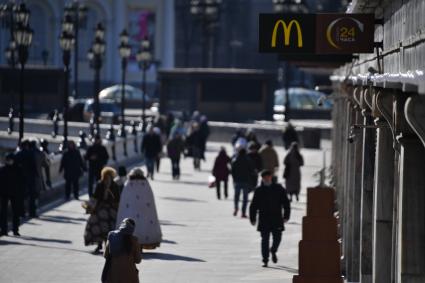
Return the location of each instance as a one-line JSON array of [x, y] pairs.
[[151, 147], [97, 156], [73, 166], [243, 173], [11, 189], [269, 199]]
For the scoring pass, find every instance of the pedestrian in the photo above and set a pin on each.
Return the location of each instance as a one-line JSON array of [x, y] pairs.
[[239, 140], [138, 202], [44, 148], [194, 145], [268, 201], [121, 178], [175, 148], [177, 128], [221, 171], [97, 157], [122, 252], [251, 137], [289, 135], [204, 131], [151, 147], [41, 163], [169, 121], [25, 158], [269, 158], [73, 166], [255, 157], [242, 174], [11, 190], [158, 132], [292, 173], [104, 213]]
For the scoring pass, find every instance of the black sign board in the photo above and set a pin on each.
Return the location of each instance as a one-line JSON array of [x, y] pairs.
[[291, 33], [316, 33]]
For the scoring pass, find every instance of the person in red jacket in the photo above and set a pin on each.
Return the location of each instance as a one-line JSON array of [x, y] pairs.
[[221, 171]]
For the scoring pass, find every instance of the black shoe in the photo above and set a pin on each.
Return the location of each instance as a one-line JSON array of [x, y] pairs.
[[16, 233], [2, 233], [274, 258], [265, 264]]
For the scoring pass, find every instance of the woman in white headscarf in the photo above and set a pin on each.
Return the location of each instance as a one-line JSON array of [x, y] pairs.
[[138, 202]]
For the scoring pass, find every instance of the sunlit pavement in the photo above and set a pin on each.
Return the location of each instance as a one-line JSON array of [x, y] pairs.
[[203, 241]]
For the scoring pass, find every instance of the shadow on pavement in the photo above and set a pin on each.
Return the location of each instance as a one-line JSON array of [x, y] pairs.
[[183, 199], [286, 268], [62, 219], [168, 242], [166, 256], [196, 183], [169, 223], [5, 242], [45, 240]]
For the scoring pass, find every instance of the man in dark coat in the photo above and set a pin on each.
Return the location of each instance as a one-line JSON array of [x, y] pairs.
[[151, 147], [268, 201], [289, 136], [97, 156], [11, 189], [25, 159], [242, 173], [73, 166]]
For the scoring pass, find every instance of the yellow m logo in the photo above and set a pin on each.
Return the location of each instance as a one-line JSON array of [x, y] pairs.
[[287, 32]]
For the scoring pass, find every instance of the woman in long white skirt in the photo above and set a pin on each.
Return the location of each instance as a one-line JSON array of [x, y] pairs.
[[138, 202]]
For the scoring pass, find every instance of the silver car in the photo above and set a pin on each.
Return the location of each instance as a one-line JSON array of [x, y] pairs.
[[133, 96]]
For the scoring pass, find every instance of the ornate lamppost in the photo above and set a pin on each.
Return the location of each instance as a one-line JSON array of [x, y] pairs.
[[125, 52], [208, 12], [78, 13], [66, 41], [95, 55], [23, 37], [11, 55], [288, 6], [144, 57]]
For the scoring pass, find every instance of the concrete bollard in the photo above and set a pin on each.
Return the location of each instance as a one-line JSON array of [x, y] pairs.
[[319, 249]]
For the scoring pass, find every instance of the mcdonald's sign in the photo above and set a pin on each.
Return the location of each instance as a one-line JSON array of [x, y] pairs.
[[287, 33], [316, 33]]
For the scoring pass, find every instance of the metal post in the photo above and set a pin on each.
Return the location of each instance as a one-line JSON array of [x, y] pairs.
[[144, 98], [122, 130], [21, 101], [287, 103], [76, 29], [97, 65], [66, 60]]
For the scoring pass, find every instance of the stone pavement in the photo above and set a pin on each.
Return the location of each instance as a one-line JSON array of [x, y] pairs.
[[203, 242]]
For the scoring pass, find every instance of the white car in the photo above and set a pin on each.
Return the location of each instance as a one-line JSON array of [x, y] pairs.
[[133, 96]]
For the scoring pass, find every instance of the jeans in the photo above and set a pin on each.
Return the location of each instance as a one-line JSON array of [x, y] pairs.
[[150, 165], [217, 184], [74, 184], [175, 166], [265, 245], [245, 191], [16, 207]]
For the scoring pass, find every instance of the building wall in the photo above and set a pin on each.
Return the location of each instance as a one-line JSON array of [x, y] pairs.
[[114, 14]]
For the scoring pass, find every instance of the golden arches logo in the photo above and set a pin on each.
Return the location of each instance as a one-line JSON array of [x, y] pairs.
[[287, 32]]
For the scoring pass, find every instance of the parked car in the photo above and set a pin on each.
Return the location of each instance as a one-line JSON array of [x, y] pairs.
[[304, 104], [133, 96], [109, 111]]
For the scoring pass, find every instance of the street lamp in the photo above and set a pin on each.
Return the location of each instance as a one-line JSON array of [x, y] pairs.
[[78, 13], [66, 41], [125, 51], [95, 55], [23, 37], [288, 6], [208, 12], [144, 57]]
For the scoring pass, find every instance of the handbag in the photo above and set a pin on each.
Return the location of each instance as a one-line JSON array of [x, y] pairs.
[[211, 181]]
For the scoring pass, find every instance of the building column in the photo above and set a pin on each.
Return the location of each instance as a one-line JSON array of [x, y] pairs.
[[367, 178], [411, 226], [383, 194]]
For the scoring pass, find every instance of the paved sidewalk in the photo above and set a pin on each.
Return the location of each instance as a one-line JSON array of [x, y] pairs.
[[203, 242]]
